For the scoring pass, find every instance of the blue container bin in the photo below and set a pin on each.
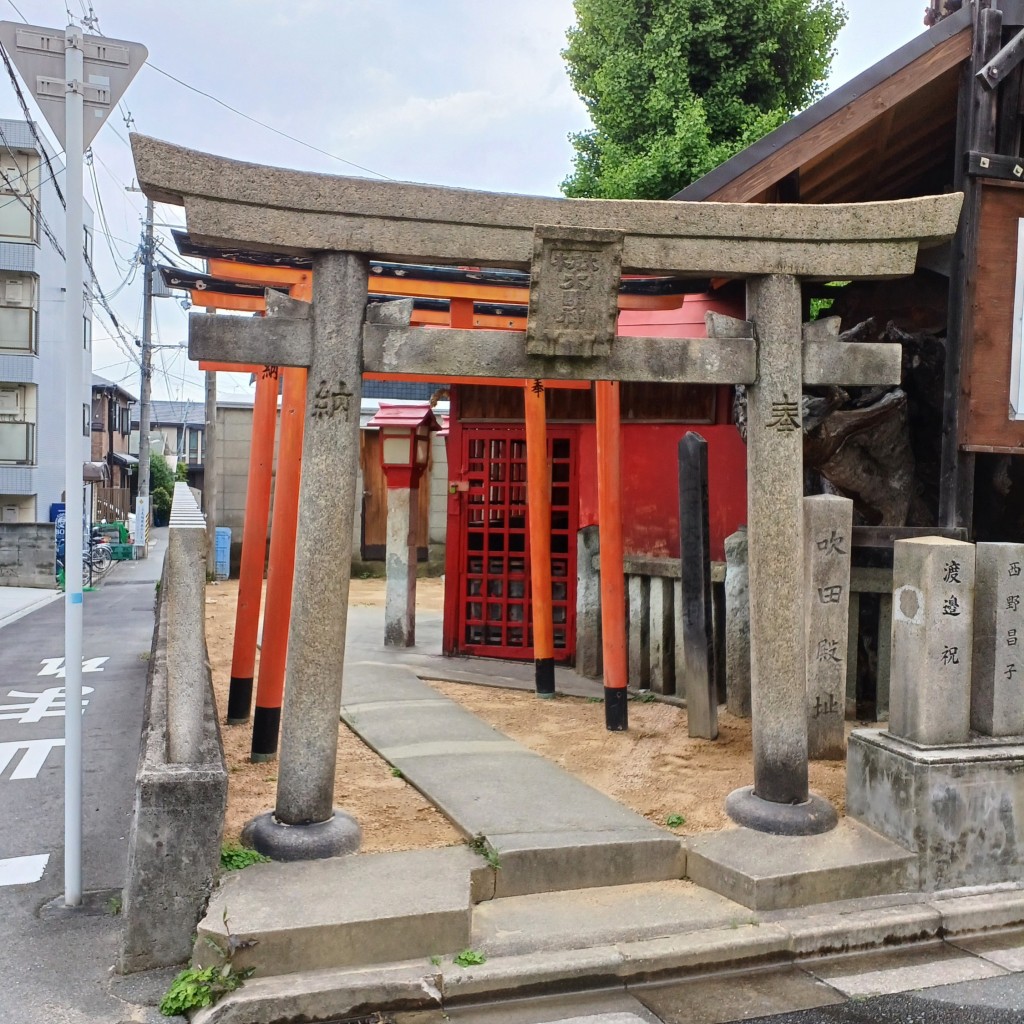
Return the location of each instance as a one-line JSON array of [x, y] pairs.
[[222, 553]]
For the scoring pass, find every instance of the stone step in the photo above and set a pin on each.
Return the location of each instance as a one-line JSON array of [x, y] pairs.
[[766, 872], [342, 912], [548, 830], [597, 917]]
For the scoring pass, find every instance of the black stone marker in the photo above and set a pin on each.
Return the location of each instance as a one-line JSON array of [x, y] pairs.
[[699, 683]]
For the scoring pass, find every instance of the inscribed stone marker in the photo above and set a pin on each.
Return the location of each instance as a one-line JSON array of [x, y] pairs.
[[997, 685], [700, 684], [828, 527], [932, 640], [574, 292]]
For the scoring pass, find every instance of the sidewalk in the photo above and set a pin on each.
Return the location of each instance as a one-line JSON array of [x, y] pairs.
[[56, 962], [16, 602]]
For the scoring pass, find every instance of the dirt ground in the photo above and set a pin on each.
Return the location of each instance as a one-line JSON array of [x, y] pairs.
[[393, 815], [655, 768]]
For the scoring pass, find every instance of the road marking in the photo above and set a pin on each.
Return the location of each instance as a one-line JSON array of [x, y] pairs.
[[55, 666], [51, 703], [23, 870], [33, 759]]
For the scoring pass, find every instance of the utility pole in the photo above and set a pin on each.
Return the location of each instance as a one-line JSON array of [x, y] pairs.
[[146, 384], [74, 242]]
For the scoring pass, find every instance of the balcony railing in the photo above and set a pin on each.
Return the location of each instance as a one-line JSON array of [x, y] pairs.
[[18, 443]]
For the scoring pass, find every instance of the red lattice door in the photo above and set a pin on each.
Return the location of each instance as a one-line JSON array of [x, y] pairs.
[[495, 610]]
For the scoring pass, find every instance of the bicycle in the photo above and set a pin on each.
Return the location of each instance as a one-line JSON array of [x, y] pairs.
[[95, 559]]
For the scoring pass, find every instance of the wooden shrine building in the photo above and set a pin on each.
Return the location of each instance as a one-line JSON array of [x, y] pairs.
[[940, 114]]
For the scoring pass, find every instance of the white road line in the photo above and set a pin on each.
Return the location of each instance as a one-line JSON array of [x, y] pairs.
[[23, 870], [31, 761]]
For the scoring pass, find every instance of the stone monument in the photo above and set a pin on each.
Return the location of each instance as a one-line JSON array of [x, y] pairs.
[[928, 783], [828, 529], [997, 687]]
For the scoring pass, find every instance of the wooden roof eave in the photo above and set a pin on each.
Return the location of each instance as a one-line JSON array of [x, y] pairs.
[[846, 110]]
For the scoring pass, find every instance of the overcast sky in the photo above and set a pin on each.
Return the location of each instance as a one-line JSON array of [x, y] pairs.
[[470, 93]]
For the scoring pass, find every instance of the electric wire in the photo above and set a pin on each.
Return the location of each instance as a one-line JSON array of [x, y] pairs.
[[269, 127]]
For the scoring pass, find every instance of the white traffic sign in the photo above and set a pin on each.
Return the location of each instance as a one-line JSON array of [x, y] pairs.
[[38, 54]]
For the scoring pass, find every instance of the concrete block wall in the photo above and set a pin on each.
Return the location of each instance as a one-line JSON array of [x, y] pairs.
[[174, 848], [27, 557]]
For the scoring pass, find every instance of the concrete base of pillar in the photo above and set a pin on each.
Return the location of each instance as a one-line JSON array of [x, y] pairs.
[[337, 836], [811, 818], [958, 807]]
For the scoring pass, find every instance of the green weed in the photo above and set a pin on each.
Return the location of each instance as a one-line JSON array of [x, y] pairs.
[[469, 958], [675, 820], [234, 857], [193, 988], [479, 844]]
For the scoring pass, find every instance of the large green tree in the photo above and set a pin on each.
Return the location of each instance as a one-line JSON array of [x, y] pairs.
[[674, 87]]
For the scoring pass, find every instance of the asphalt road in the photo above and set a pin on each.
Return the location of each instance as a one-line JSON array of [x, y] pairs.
[[54, 962]]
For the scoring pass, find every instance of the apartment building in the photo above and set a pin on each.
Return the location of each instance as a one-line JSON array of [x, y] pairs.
[[33, 407]]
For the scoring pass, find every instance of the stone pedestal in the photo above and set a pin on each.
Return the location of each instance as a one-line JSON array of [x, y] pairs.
[[959, 808], [932, 640], [828, 527], [400, 562], [737, 625], [997, 685]]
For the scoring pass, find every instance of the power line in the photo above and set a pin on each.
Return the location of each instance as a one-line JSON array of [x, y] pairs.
[[269, 127], [31, 123]]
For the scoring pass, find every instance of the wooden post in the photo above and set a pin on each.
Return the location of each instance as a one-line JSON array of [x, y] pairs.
[[539, 515], [270, 686], [254, 547], [975, 130], [613, 595], [700, 684]]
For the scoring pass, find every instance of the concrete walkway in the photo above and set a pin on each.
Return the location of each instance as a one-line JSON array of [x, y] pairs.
[[548, 830]]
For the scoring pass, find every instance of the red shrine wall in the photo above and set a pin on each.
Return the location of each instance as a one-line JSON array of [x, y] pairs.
[[650, 485]]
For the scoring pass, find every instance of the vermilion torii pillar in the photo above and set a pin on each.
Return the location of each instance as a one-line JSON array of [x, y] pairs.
[[254, 546], [538, 514], [576, 250]]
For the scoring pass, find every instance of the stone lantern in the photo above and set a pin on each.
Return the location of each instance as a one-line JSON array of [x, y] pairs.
[[405, 451]]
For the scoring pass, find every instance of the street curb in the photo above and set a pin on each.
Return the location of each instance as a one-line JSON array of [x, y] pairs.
[[49, 598], [416, 985]]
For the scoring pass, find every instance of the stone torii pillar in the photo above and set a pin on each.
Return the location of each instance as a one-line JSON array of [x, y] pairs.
[[340, 221], [327, 337]]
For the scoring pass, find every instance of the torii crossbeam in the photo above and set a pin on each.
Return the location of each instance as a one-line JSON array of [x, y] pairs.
[[576, 250]]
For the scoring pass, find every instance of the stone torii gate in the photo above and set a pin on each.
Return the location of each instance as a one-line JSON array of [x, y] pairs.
[[577, 250]]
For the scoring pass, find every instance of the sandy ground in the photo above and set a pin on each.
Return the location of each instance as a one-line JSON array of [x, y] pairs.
[[393, 815], [655, 768]]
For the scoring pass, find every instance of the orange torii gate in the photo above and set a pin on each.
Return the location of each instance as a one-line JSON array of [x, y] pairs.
[[462, 297]]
